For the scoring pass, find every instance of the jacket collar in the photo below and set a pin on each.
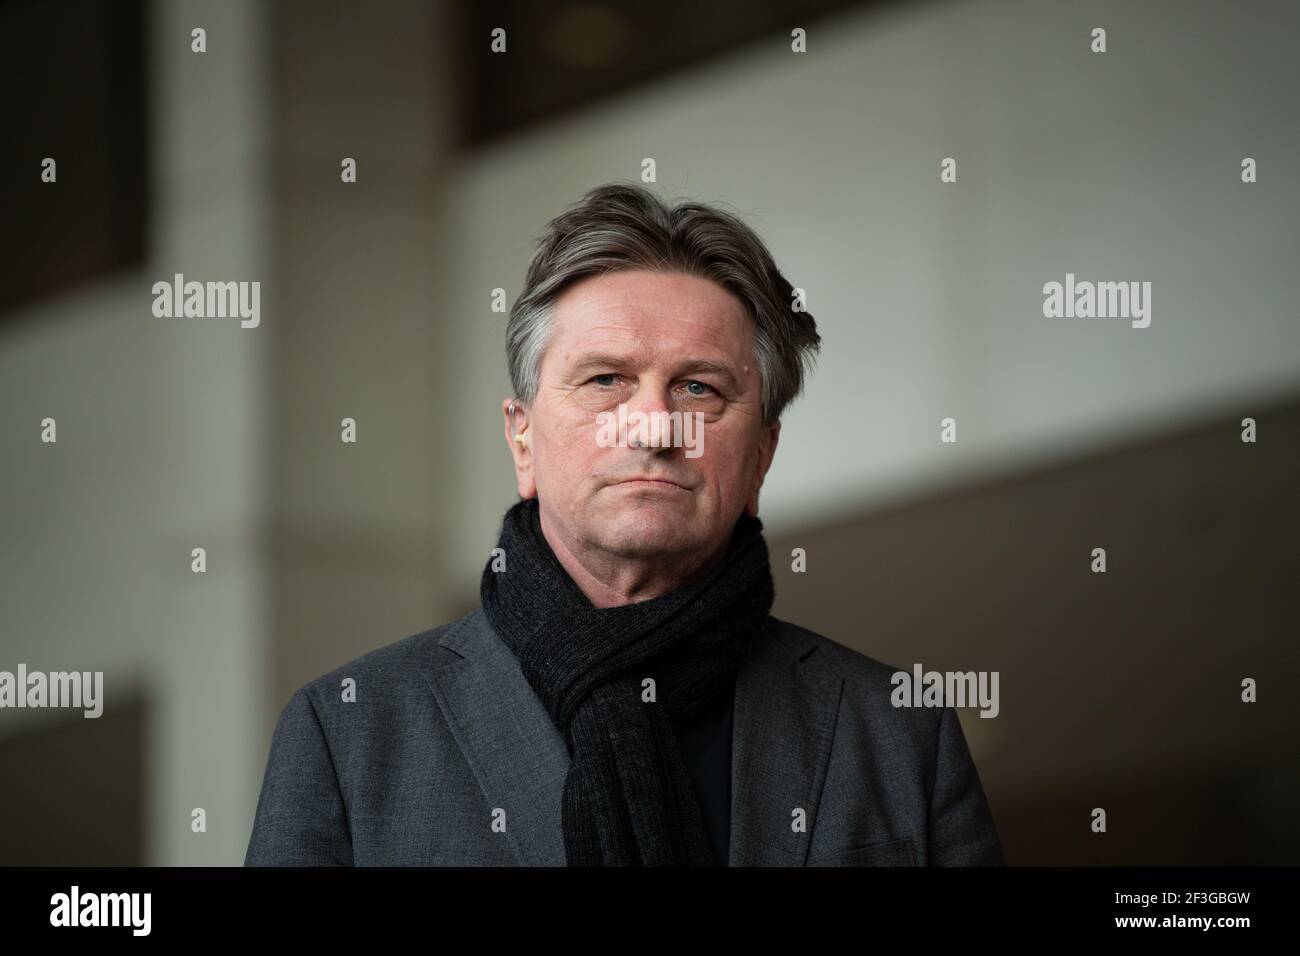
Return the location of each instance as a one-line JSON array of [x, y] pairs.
[[787, 699]]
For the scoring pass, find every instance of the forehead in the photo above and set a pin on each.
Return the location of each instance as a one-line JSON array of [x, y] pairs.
[[649, 310]]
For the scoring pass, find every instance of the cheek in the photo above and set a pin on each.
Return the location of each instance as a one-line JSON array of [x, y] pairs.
[[729, 471], [572, 450]]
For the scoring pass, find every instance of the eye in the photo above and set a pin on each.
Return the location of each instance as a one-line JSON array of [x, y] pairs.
[[604, 375], [708, 389]]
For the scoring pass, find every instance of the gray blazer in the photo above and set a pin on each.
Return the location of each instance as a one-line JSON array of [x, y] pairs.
[[445, 729]]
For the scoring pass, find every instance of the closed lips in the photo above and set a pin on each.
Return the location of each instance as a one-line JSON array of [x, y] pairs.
[[654, 481]]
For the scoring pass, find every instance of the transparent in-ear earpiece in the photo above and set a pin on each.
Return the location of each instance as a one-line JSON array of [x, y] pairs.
[[514, 431]]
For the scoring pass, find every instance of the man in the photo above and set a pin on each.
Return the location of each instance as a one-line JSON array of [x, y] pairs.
[[623, 696]]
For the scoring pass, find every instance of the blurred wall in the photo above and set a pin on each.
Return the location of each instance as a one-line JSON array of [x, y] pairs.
[[358, 332], [161, 438]]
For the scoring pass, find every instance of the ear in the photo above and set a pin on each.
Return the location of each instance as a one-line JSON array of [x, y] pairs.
[[767, 440], [517, 439]]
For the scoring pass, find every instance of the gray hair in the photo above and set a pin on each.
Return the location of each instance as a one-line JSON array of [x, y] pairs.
[[618, 227]]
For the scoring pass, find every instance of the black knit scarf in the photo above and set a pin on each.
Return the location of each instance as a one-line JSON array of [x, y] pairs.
[[628, 798]]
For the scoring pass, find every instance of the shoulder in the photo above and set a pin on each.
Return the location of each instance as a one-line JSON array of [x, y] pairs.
[[867, 684], [395, 672], [830, 656]]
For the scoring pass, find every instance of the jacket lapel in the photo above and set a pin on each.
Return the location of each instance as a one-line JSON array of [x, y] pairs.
[[518, 757], [787, 702]]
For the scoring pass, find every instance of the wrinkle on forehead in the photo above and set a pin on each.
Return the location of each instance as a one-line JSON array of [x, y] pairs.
[[651, 314]]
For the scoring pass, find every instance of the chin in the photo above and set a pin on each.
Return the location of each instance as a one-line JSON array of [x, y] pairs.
[[646, 529]]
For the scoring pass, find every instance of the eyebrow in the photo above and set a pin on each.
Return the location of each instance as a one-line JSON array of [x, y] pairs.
[[596, 360]]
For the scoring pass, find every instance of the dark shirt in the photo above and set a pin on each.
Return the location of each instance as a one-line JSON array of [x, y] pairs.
[[706, 747]]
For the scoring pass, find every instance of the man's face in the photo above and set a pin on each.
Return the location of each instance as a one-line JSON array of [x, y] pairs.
[[659, 342]]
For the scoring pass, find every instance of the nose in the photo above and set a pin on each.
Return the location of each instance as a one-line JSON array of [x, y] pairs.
[[650, 411]]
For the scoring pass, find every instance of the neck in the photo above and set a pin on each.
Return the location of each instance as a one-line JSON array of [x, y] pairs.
[[610, 580]]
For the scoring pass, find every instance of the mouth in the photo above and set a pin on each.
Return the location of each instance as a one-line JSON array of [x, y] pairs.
[[651, 483]]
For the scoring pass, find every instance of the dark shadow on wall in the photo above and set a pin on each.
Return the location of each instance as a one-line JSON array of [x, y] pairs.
[[74, 788], [1121, 690], [1229, 814], [564, 57], [77, 93]]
